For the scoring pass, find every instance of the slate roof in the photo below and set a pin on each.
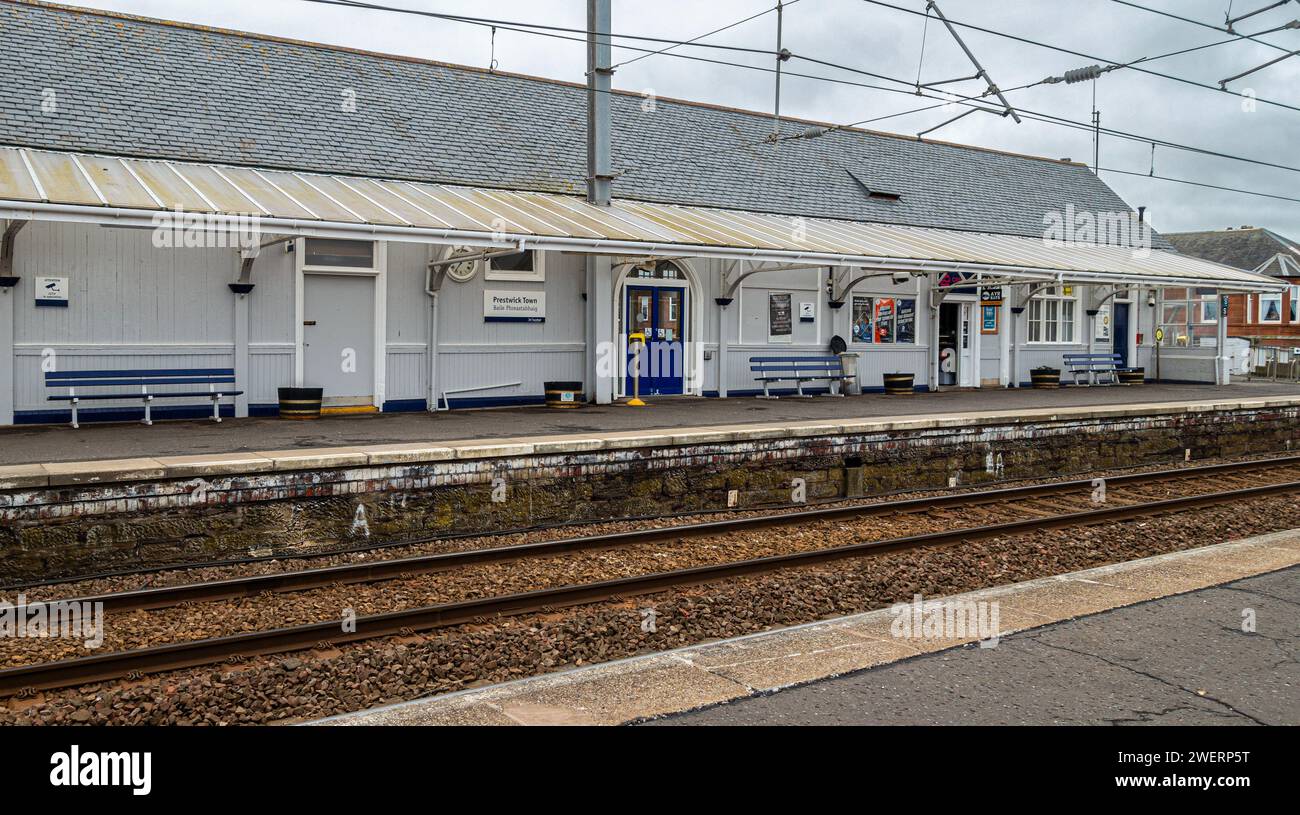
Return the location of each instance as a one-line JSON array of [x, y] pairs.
[[1247, 248], [138, 87]]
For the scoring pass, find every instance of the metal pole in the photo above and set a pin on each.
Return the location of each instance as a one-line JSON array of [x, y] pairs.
[[600, 74], [780, 19]]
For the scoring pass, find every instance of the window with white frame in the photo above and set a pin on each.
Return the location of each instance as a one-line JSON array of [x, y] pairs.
[[1270, 308], [528, 265], [1189, 317], [329, 253], [1053, 315], [1294, 292]]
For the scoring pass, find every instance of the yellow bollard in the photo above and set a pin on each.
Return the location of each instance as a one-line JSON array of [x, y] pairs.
[[639, 339]]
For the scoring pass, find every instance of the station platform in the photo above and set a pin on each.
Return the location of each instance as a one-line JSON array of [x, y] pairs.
[[1158, 640], [233, 440]]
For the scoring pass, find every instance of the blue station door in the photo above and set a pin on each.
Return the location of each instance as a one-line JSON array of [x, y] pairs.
[[1119, 333], [659, 313]]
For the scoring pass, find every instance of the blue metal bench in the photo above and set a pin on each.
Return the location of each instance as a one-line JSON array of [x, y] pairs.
[[146, 386], [798, 370], [1093, 364]]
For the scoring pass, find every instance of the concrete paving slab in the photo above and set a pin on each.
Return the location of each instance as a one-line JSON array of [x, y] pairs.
[[23, 476], [97, 472], [415, 453], [315, 459], [214, 464], [763, 664]]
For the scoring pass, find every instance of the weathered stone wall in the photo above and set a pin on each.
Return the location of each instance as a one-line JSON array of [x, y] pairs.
[[82, 530]]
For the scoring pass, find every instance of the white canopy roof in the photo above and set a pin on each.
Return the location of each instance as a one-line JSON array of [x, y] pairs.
[[60, 186]]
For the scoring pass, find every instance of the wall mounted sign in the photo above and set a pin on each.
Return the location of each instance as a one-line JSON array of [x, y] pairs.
[[1223, 307], [780, 326], [52, 292], [514, 306], [807, 312], [989, 319], [1102, 334], [991, 296]]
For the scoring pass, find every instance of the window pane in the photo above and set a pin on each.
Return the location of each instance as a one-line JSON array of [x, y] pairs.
[[517, 262], [346, 254], [1270, 308]]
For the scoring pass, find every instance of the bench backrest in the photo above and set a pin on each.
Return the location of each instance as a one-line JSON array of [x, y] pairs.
[[139, 378], [812, 365], [1092, 357]]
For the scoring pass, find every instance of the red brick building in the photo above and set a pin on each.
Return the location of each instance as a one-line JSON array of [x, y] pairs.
[[1265, 319]]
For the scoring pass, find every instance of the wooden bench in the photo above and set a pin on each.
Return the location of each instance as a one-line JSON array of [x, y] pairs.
[[1093, 364], [146, 385], [798, 370]]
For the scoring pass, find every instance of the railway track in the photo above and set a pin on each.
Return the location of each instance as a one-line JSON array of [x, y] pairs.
[[139, 661]]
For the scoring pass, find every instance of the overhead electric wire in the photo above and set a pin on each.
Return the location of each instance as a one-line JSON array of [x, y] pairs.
[[907, 87], [1083, 55], [695, 40], [1170, 14], [1202, 184]]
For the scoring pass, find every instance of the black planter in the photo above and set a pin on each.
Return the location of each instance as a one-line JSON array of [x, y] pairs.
[[1132, 376], [300, 403], [899, 384], [1045, 377], [564, 395]]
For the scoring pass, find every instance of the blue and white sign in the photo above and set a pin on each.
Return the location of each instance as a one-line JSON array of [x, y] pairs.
[[514, 306], [51, 292]]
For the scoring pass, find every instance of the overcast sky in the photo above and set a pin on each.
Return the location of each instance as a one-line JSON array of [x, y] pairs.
[[888, 42]]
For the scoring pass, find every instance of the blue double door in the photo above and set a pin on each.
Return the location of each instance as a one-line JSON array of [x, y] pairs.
[[658, 312]]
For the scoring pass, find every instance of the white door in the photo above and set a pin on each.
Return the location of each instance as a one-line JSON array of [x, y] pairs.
[[966, 366], [338, 337]]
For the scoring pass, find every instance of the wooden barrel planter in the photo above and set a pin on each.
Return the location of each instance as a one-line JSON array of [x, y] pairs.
[[899, 384], [564, 395], [300, 403], [1045, 377], [1132, 376]]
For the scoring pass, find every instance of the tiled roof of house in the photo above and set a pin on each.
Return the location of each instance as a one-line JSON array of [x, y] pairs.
[[131, 86], [1246, 248]]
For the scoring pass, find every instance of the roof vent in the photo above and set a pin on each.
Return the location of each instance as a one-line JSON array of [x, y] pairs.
[[874, 194]]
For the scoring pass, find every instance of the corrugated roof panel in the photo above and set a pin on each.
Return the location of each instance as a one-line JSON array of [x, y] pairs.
[[170, 188], [223, 195], [346, 196], [391, 196], [116, 183], [251, 184], [144, 186], [15, 182], [461, 213], [61, 179], [308, 196]]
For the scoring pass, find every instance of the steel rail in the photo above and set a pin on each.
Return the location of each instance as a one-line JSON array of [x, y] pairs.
[[136, 662], [301, 580]]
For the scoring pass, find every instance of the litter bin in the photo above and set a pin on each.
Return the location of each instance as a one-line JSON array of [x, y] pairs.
[[849, 363], [300, 403]]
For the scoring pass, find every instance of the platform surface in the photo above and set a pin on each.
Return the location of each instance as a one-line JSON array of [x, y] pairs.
[[1154, 640], [234, 437]]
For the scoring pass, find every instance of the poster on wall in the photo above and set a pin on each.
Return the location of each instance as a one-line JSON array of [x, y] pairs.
[[51, 292], [905, 321], [884, 319], [780, 322], [863, 319], [1102, 334], [988, 319], [514, 306]]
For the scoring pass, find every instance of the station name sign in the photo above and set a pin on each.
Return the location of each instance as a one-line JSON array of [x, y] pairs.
[[514, 306]]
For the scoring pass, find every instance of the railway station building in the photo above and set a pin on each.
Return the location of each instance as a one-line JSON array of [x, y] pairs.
[[411, 235]]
